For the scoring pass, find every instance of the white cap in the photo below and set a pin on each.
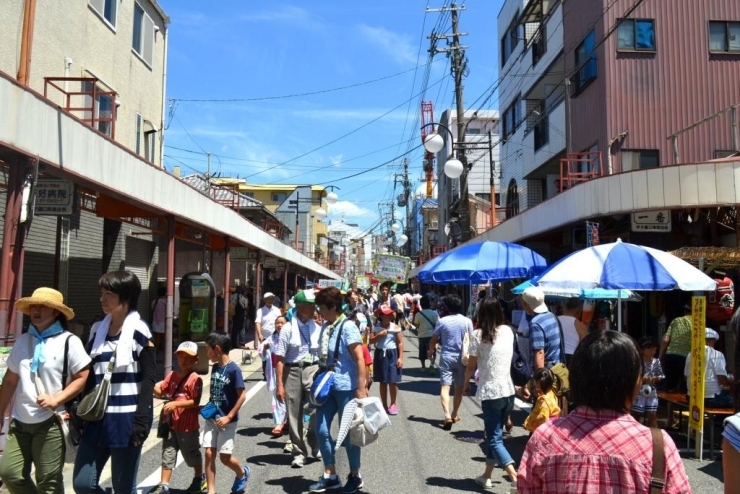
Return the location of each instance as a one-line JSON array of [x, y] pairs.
[[188, 347], [711, 334], [268, 295], [535, 299]]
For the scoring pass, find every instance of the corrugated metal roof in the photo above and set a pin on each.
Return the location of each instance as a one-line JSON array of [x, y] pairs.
[[220, 194]]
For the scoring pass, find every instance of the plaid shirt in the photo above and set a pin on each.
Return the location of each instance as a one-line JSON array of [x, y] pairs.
[[590, 452]]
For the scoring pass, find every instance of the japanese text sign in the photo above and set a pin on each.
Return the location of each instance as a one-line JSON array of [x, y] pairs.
[[697, 370], [391, 268]]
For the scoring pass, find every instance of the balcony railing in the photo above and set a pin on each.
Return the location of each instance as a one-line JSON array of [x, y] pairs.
[[89, 104], [576, 168]]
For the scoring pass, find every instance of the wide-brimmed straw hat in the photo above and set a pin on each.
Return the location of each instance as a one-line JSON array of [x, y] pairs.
[[45, 296]]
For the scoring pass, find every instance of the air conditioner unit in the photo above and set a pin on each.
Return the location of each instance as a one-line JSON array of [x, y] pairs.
[[434, 225]]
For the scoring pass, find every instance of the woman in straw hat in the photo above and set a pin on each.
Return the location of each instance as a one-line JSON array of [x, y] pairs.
[[34, 382]]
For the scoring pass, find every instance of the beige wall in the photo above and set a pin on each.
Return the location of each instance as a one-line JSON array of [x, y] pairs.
[[74, 30]]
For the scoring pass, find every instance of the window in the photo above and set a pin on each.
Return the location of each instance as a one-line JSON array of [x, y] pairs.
[[586, 61], [539, 45], [724, 36], [512, 199], [139, 124], [278, 197], [102, 118], [636, 34], [510, 40], [512, 117], [107, 9], [150, 145], [472, 131], [249, 194], [640, 160], [143, 43]]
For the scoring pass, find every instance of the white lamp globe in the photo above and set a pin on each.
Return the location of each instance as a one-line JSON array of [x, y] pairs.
[[332, 198], [403, 239], [320, 214], [434, 143], [453, 168], [396, 227]]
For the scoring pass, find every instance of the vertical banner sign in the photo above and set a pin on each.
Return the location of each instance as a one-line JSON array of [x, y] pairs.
[[696, 373], [592, 234]]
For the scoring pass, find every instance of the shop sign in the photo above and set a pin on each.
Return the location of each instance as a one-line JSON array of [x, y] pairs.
[[54, 198], [652, 221]]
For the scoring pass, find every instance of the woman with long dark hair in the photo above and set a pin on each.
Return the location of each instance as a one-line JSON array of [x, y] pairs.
[[491, 349]]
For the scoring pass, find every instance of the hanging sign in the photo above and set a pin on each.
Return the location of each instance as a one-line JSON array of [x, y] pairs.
[[697, 370], [391, 268], [54, 197]]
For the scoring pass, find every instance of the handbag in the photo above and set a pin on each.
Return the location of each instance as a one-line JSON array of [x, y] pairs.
[[561, 384], [210, 411], [92, 407], [521, 373], [465, 354], [323, 381], [165, 419]]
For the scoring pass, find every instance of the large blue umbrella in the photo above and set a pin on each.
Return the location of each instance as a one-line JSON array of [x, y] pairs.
[[483, 262], [587, 294]]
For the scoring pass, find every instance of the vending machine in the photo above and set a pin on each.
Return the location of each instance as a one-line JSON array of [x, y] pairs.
[[197, 313]]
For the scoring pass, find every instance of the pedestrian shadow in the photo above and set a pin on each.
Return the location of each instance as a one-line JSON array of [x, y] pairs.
[[465, 485], [271, 444], [425, 420], [713, 469], [423, 387], [278, 459], [262, 416], [292, 484], [254, 431]]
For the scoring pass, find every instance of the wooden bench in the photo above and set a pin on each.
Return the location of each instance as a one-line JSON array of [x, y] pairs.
[[680, 399]]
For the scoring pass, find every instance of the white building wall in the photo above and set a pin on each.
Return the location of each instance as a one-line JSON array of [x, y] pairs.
[[74, 30]]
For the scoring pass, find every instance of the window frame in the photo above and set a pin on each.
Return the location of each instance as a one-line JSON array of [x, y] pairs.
[[539, 44], [640, 154], [634, 47], [582, 84], [114, 8], [512, 36], [727, 50], [146, 25], [104, 127]]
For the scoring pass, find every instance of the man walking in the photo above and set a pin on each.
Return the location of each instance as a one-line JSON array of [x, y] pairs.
[[265, 322], [544, 331], [297, 353]]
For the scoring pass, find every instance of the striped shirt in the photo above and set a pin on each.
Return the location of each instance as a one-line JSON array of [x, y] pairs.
[[544, 333], [114, 430], [451, 331]]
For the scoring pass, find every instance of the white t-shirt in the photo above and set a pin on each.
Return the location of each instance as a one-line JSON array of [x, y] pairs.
[[25, 408], [266, 317], [569, 334], [714, 366]]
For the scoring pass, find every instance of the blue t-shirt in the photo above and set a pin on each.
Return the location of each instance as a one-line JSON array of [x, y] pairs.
[[345, 372], [224, 383], [544, 334], [451, 331]]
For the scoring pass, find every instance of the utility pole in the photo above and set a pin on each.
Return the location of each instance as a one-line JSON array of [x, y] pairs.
[[407, 197], [208, 175]]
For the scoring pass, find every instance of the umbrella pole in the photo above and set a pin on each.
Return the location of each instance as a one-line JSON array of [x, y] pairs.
[[619, 310]]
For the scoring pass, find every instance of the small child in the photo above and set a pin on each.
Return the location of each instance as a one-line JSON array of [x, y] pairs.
[[647, 397], [227, 393], [546, 407], [183, 389]]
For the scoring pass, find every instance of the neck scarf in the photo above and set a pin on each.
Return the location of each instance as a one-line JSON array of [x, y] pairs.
[[39, 351], [126, 344], [308, 337], [326, 336]]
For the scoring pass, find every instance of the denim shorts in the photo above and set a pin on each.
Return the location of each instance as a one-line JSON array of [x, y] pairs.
[[451, 370]]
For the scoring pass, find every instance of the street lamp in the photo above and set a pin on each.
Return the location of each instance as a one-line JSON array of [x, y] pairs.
[[403, 239], [320, 214], [331, 196], [396, 227]]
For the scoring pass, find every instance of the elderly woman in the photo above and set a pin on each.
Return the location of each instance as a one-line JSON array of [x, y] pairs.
[[36, 383], [450, 332], [491, 350], [600, 447], [123, 336], [349, 382]]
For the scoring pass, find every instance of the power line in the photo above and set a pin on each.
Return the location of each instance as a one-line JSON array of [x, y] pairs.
[[295, 95]]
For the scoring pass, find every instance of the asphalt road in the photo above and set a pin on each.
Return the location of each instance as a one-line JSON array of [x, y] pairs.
[[414, 455]]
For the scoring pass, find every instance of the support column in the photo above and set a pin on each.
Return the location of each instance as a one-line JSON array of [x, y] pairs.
[[285, 284], [295, 285], [227, 282], [258, 279], [170, 310]]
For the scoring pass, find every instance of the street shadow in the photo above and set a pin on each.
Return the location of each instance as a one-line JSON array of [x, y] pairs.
[[272, 444], [423, 387], [262, 416], [271, 459], [713, 469], [419, 373], [425, 420], [465, 485], [254, 431], [292, 484]]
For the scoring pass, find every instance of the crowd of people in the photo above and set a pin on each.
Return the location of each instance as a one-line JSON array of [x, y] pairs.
[[589, 439]]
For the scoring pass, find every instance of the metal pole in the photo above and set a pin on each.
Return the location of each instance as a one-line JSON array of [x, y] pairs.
[[674, 140], [492, 174], [227, 281], [458, 61], [170, 308], [735, 136], [297, 225]]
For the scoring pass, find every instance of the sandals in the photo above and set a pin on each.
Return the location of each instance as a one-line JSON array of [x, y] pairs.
[[447, 425], [457, 418], [278, 430]]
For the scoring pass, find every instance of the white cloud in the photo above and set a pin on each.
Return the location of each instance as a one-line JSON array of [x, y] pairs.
[[399, 47], [421, 191], [349, 211], [336, 160], [364, 115], [288, 14]]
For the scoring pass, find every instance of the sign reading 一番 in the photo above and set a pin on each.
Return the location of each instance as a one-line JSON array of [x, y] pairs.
[[54, 197], [391, 268], [652, 221]]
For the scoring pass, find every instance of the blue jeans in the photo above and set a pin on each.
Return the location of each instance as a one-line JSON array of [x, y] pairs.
[[90, 462], [494, 416], [324, 416]]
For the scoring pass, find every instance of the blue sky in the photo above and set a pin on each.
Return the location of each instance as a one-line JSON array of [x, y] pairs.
[[249, 51]]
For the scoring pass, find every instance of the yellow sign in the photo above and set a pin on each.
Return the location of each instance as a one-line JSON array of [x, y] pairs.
[[697, 370]]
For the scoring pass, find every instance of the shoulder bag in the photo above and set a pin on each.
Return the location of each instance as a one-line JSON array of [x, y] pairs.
[[323, 381], [92, 407], [465, 354], [561, 386], [657, 480], [521, 372], [165, 419]]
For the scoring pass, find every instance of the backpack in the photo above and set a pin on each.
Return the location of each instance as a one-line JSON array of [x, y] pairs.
[[561, 383], [520, 371]]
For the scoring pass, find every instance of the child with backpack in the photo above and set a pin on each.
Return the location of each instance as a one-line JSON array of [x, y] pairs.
[[182, 389]]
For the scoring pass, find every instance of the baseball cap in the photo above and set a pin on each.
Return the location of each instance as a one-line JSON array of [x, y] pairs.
[[305, 297], [268, 295], [711, 334], [535, 299], [385, 309], [188, 347]]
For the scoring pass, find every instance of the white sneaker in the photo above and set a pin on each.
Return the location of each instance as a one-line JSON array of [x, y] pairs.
[[484, 482], [316, 453], [298, 461], [288, 447]]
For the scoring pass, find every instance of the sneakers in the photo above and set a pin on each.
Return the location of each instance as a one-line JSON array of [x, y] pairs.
[[160, 489], [325, 484], [288, 447], [393, 410], [354, 484], [316, 453], [298, 461], [484, 482], [198, 485], [240, 483]]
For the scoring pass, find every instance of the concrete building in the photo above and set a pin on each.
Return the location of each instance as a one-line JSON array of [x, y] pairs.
[[593, 97], [357, 254], [482, 152]]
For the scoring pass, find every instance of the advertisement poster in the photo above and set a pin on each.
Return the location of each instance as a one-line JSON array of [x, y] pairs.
[[328, 283], [696, 372], [391, 268], [362, 282]]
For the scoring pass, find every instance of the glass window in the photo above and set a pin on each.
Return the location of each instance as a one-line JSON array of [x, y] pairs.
[[586, 60], [724, 36], [649, 159], [626, 35], [138, 20], [106, 8], [645, 34]]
